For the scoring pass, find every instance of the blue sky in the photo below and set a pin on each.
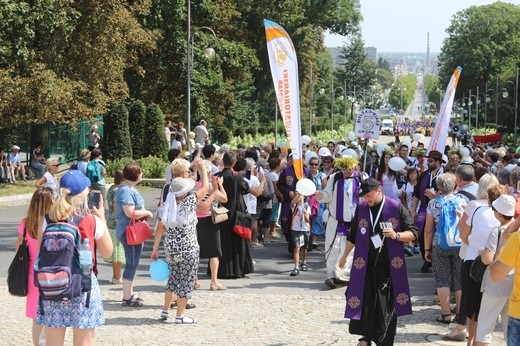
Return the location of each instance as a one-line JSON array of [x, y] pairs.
[[402, 25]]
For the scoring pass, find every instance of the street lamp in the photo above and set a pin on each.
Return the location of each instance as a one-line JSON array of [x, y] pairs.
[[505, 94], [352, 96], [401, 88], [321, 92], [341, 98], [209, 53]]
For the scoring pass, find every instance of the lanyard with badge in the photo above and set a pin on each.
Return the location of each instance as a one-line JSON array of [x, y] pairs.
[[376, 238]]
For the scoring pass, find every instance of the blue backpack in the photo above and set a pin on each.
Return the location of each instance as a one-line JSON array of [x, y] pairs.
[[94, 171], [447, 229], [58, 273]]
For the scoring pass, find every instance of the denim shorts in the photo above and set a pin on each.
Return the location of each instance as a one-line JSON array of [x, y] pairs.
[[300, 239], [513, 331]]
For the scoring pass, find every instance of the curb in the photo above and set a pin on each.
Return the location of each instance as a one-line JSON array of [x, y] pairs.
[[8, 201]]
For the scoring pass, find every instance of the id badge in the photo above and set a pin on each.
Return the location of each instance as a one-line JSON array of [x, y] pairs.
[[376, 240]]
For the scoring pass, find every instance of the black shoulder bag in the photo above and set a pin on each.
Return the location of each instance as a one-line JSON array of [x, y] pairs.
[[18, 273]]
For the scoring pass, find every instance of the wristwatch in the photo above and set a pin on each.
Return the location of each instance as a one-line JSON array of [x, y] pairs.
[[397, 236]]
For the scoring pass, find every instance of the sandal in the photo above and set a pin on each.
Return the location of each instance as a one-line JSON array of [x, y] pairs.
[[446, 319], [185, 320], [133, 302], [188, 305], [164, 315]]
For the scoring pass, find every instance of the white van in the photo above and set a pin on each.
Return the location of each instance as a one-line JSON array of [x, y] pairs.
[[387, 126]]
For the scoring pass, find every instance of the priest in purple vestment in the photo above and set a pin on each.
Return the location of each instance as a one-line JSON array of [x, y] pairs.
[[378, 291]]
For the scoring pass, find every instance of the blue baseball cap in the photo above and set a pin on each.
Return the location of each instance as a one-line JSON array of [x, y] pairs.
[[75, 181]]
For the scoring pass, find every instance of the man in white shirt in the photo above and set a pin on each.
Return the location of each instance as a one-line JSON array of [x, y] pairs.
[[201, 133]]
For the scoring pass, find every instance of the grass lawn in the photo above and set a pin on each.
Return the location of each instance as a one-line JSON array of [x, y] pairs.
[[20, 188], [24, 187]]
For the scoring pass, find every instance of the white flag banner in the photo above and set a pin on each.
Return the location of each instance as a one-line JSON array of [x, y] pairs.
[[442, 125], [284, 69]]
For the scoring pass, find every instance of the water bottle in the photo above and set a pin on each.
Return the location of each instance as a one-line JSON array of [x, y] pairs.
[[85, 256]]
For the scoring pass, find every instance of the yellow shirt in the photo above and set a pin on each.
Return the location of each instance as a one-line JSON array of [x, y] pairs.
[[510, 256]]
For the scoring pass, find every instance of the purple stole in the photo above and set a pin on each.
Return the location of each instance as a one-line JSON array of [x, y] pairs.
[[420, 218], [401, 290], [343, 226]]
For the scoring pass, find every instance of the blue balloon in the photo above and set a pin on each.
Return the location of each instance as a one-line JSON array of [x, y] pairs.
[[159, 270]]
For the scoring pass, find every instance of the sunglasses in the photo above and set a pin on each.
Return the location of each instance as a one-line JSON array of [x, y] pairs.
[[55, 165], [314, 164], [327, 161]]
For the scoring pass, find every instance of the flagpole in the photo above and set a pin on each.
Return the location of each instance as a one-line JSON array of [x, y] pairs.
[[275, 123]]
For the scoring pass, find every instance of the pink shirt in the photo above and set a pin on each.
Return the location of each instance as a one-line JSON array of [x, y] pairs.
[[31, 301]]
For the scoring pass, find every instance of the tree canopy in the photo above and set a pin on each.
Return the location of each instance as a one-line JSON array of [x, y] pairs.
[[63, 61], [485, 42]]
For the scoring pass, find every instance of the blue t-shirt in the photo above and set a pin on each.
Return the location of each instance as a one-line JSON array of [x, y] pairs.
[[125, 196]]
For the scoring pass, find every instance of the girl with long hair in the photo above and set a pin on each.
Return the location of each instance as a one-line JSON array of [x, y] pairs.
[[33, 225]]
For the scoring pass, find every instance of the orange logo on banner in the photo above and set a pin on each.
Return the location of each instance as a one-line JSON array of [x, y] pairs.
[[281, 57]]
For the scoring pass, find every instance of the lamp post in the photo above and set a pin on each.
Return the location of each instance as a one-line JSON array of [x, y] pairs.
[[209, 53], [401, 88], [505, 94], [321, 91], [341, 98], [352, 99], [488, 99]]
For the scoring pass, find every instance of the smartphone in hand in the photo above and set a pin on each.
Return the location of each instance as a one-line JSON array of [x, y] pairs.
[[94, 199]]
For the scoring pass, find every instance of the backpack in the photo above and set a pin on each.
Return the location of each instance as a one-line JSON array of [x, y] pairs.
[[449, 234], [58, 274], [94, 171]]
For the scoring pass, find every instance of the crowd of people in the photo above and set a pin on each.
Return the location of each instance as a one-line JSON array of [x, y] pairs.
[[370, 215]]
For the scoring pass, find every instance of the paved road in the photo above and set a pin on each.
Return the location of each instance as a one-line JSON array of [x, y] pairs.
[[267, 308]]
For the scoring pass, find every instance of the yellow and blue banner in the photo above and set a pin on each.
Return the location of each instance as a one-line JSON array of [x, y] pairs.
[[442, 125], [284, 70]]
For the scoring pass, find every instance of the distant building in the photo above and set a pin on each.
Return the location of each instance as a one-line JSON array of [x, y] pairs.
[[371, 53], [335, 52], [400, 69]]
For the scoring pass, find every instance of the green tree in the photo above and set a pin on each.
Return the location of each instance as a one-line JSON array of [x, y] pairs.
[[116, 141], [401, 93], [137, 117], [156, 144], [62, 61], [485, 42], [384, 78], [357, 72], [433, 90]]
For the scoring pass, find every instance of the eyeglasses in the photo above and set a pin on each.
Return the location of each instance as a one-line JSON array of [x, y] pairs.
[[327, 161]]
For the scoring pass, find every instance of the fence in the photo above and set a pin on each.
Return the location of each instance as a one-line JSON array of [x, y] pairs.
[[60, 141]]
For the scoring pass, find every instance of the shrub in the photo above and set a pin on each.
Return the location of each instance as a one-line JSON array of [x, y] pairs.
[[113, 165], [137, 117], [152, 166], [117, 137], [155, 138]]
